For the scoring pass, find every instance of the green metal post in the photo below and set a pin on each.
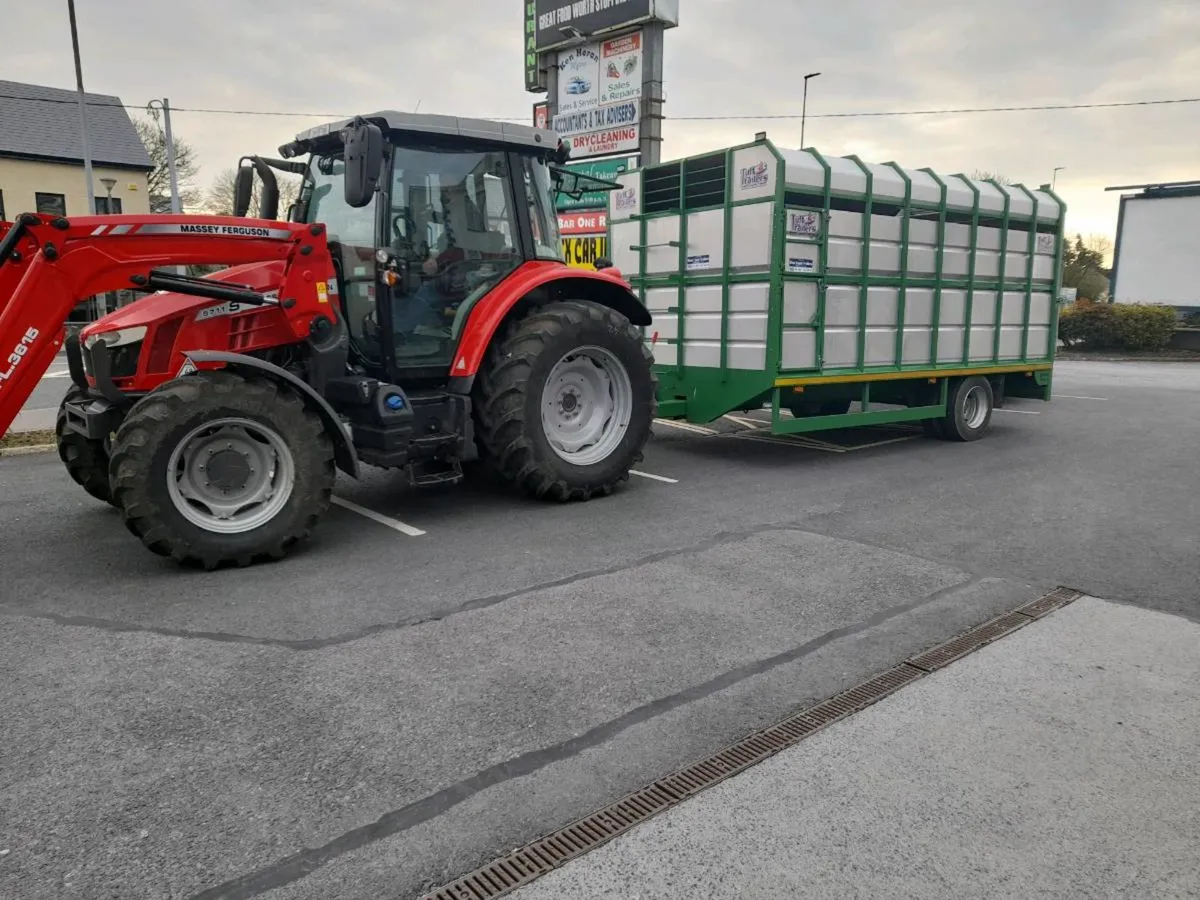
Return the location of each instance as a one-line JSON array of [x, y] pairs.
[[938, 264], [972, 254], [904, 251], [864, 287], [1031, 251], [823, 279], [1001, 271], [1056, 284]]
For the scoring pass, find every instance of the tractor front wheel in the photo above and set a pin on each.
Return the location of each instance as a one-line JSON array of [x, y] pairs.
[[86, 459], [565, 401], [219, 468]]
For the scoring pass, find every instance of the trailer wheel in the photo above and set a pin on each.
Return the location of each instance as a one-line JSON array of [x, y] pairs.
[[969, 409], [565, 401], [220, 468], [86, 460]]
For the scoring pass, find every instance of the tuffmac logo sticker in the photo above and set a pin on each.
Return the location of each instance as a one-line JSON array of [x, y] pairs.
[[755, 176]]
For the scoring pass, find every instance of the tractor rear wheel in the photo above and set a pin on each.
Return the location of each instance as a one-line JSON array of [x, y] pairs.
[[86, 459], [220, 468], [565, 401]]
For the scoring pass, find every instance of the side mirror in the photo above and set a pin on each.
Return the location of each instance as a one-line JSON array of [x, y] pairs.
[[243, 185], [363, 144]]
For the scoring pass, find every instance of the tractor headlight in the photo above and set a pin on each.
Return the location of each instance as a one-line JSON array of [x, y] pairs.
[[116, 338]]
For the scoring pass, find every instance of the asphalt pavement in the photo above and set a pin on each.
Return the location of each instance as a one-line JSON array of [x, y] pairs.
[[1059, 762], [439, 677]]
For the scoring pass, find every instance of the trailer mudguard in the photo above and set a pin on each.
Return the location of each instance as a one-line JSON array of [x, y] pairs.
[[554, 280], [343, 448]]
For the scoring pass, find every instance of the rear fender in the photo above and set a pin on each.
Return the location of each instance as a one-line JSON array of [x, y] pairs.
[[343, 448], [535, 284]]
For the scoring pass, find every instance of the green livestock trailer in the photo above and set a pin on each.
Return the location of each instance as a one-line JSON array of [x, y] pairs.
[[839, 292]]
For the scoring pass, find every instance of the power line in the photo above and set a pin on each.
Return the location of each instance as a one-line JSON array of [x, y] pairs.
[[948, 111]]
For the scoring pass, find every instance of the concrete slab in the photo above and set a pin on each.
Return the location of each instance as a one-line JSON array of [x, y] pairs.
[[1061, 761]]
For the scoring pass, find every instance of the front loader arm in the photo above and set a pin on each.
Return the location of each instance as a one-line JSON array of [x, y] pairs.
[[49, 264]]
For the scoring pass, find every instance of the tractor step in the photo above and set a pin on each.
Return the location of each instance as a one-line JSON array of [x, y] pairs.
[[433, 474]]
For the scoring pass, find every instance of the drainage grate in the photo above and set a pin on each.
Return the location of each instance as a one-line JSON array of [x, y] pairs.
[[534, 860]]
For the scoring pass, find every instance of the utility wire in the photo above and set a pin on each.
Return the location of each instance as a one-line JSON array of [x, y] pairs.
[[949, 111]]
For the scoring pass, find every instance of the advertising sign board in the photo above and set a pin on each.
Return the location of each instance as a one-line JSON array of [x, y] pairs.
[[599, 96], [583, 251], [591, 18], [608, 169], [541, 115], [534, 81], [586, 222]]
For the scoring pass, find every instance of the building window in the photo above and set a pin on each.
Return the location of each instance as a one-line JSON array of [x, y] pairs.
[[102, 206], [51, 204]]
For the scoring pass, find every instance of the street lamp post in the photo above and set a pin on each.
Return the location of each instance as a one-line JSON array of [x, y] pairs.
[[1054, 177], [109, 184], [83, 128], [804, 106]]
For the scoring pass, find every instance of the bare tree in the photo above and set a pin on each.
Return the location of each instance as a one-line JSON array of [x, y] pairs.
[[150, 130], [985, 175], [220, 198]]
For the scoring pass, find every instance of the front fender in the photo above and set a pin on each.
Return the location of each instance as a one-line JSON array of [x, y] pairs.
[[555, 281], [343, 448]]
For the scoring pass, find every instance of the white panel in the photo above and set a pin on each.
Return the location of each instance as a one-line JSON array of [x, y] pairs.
[[922, 260], [918, 307], [1158, 254], [954, 263], [883, 306], [1012, 311], [982, 341], [742, 327], [918, 345], [799, 348], [990, 198], [1039, 342], [1043, 268], [841, 348], [845, 224], [957, 235], [924, 188], [950, 344], [1010, 342], [983, 308], [846, 176], [664, 354], [886, 182], [626, 202], [622, 236], [987, 238], [953, 308], [799, 302], [661, 258], [957, 193], [843, 255], [742, 298], [1017, 264], [707, 355], [886, 228], [752, 233], [803, 172], [667, 326], [885, 259], [659, 299], [1039, 309], [1019, 203], [880, 349], [841, 305], [987, 264], [754, 173], [705, 242]]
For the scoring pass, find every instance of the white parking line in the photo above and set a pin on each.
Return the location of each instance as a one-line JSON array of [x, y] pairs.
[[1078, 397], [63, 374], [394, 524], [1023, 412], [748, 423], [686, 426], [662, 478]]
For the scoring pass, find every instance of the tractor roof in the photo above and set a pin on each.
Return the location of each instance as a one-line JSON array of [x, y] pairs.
[[521, 136]]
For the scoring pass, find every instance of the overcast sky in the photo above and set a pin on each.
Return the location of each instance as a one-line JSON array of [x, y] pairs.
[[727, 58]]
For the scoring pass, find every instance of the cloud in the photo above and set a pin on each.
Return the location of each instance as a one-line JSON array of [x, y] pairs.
[[727, 57]]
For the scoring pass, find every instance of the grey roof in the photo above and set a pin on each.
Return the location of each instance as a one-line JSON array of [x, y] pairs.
[[43, 122], [428, 123]]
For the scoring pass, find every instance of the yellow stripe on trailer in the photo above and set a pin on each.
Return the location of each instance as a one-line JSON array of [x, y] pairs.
[[858, 377]]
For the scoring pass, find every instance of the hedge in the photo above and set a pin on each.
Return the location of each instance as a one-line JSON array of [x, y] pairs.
[[1116, 326]]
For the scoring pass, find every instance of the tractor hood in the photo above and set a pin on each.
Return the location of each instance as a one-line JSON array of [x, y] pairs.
[[161, 305]]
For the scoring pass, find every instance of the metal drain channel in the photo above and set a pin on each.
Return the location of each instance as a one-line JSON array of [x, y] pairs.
[[530, 862]]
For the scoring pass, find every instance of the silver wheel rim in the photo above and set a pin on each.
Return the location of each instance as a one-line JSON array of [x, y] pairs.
[[975, 407], [230, 475], [586, 405]]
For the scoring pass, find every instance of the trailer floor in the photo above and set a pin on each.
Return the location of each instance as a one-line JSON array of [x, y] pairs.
[[421, 690]]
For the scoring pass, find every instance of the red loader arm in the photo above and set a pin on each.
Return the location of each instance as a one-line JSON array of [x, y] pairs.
[[49, 264]]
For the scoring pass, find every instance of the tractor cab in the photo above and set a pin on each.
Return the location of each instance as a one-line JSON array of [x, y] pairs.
[[425, 215]]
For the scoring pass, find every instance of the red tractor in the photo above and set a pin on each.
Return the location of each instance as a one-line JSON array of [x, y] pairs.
[[413, 313]]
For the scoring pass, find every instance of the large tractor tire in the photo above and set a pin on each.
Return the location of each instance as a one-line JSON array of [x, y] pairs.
[[86, 459], [565, 401], [219, 468]]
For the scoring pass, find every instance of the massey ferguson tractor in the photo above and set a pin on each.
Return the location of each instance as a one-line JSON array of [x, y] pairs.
[[413, 312]]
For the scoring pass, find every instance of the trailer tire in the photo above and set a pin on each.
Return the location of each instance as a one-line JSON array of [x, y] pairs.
[[968, 409], [578, 359], [85, 459], [166, 450]]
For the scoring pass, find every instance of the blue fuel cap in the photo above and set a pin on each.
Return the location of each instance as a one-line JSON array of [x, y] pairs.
[[394, 401]]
